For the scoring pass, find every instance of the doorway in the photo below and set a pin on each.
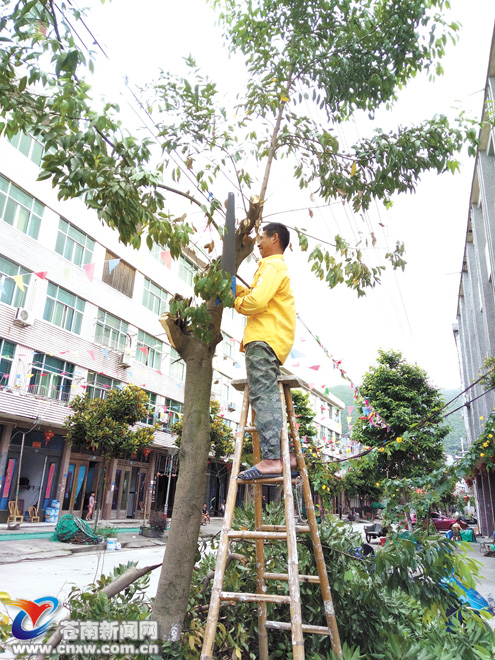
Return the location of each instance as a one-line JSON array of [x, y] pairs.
[[121, 490], [75, 487]]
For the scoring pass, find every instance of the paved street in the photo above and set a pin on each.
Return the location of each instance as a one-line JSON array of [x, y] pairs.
[[54, 575]]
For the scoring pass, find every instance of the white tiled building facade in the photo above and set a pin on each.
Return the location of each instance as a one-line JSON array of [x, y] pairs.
[[79, 314], [86, 322]]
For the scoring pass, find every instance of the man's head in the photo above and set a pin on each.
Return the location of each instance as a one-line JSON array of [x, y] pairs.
[[274, 240]]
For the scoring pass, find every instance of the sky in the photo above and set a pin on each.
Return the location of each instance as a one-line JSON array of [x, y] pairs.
[[411, 311]]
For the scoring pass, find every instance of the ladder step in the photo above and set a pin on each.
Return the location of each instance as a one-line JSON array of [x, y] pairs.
[[272, 480], [314, 579], [249, 429], [282, 528], [306, 628], [251, 534], [254, 598]]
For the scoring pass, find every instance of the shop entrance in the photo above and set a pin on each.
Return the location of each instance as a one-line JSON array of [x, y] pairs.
[[82, 479]]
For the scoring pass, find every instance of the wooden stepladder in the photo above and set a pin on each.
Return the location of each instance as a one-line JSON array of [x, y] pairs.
[[267, 533]]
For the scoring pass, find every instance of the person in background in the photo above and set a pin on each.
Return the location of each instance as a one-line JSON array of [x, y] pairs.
[[91, 506], [205, 515]]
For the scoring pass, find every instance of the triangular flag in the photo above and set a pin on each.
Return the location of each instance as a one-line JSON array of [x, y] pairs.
[[166, 257], [18, 280], [315, 367], [67, 273], [349, 420], [144, 350], [42, 274], [91, 354], [350, 409], [90, 269], [113, 263], [311, 386], [105, 352], [296, 354], [296, 364]]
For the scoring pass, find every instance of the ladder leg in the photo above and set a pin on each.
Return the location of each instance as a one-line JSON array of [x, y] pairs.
[[315, 535], [293, 570], [260, 552], [223, 546]]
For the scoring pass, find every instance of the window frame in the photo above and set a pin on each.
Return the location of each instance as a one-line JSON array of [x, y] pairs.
[[77, 316], [177, 366], [187, 270], [151, 407], [159, 300], [155, 350], [40, 370], [94, 387], [109, 341], [16, 142], [17, 297], [86, 252], [34, 219], [6, 360]]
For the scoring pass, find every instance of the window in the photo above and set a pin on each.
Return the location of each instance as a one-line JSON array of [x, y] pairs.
[[51, 377], [225, 391], [110, 330], [154, 297], [172, 413], [187, 271], [228, 346], [149, 350], [64, 309], [10, 293], [28, 146], [98, 385], [151, 405], [7, 351], [19, 209], [73, 244], [121, 277], [177, 366], [336, 415]]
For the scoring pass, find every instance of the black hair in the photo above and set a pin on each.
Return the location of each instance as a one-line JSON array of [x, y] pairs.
[[279, 229]]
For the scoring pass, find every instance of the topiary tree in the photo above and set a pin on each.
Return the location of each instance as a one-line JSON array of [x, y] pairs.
[[410, 405], [340, 57], [105, 425], [222, 440]]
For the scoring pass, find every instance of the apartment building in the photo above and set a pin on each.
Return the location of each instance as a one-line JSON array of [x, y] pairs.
[[79, 314], [474, 329]]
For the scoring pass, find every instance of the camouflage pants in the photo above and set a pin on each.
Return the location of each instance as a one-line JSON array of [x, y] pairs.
[[262, 366]]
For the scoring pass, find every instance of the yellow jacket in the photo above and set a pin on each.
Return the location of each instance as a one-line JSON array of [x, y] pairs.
[[269, 306]]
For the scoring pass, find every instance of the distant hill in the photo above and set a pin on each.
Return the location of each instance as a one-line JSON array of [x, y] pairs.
[[452, 441]]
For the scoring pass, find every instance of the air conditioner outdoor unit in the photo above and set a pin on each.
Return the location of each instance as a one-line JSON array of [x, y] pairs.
[[232, 405], [126, 359], [23, 317]]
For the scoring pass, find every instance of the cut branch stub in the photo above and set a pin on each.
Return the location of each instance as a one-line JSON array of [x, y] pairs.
[[244, 244]]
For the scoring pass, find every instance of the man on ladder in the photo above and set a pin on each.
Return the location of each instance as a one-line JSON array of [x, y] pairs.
[[268, 338]]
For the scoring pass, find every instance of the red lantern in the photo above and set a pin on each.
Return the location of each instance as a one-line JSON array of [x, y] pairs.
[[48, 436], [146, 453]]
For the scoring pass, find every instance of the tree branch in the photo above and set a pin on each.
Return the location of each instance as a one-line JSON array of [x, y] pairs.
[[190, 198], [209, 577], [110, 591]]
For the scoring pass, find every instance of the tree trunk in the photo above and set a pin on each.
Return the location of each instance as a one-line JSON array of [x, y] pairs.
[[172, 595]]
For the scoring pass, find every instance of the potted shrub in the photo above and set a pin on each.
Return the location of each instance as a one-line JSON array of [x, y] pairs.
[[156, 525]]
